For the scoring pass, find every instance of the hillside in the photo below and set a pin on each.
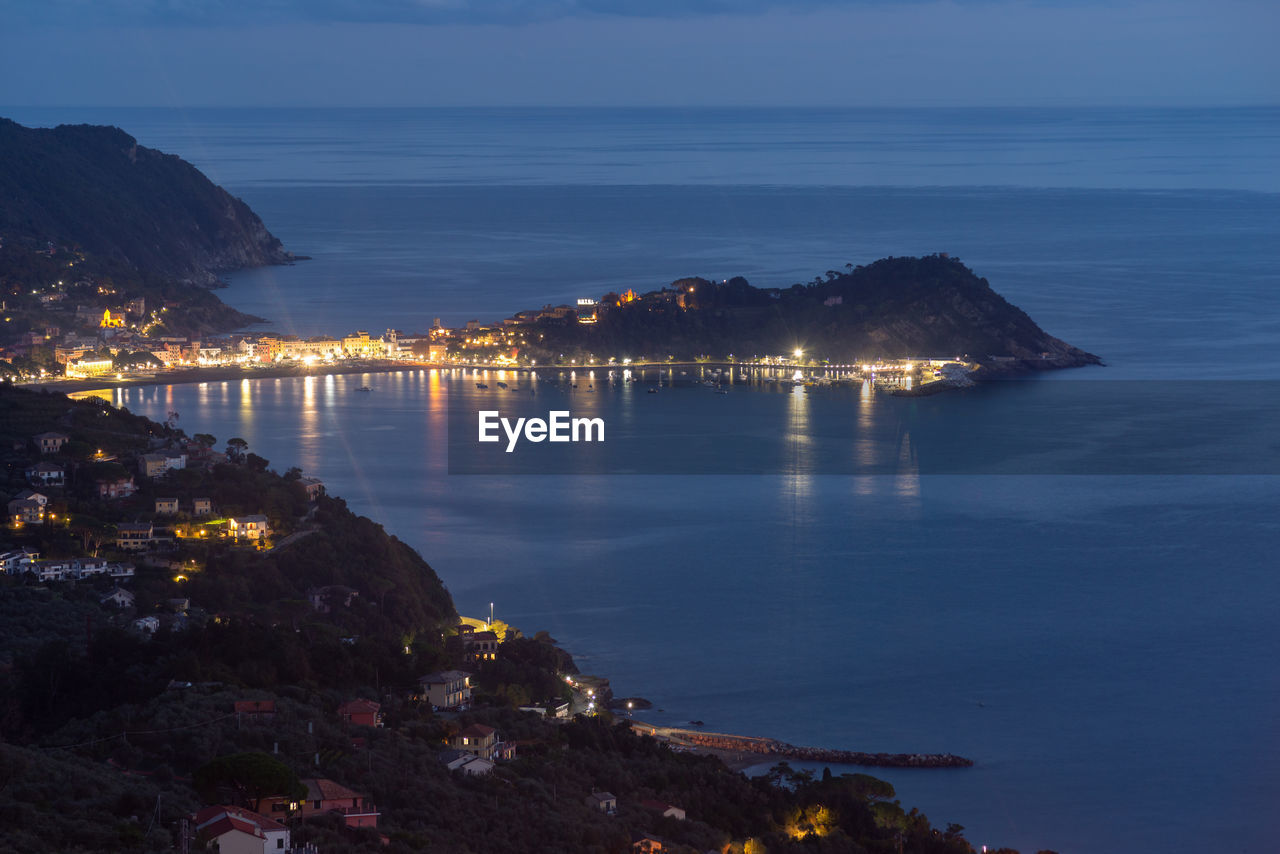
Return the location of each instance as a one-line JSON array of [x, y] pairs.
[[113, 734], [893, 308], [97, 188]]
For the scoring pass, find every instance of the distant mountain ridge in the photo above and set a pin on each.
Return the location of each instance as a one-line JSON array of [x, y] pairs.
[[96, 187]]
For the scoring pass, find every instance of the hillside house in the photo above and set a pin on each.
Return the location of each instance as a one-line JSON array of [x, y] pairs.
[[477, 739], [664, 809], [160, 464], [360, 713], [325, 796], [233, 830], [313, 486], [51, 443], [468, 763], [118, 598], [605, 802], [450, 689], [120, 487], [255, 711], [201, 506], [27, 508], [249, 527], [481, 646], [166, 506], [17, 561], [46, 474], [134, 536]]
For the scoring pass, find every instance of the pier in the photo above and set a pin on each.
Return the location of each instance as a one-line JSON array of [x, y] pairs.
[[771, 747]]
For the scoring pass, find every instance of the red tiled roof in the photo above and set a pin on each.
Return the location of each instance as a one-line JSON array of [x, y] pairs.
[[228, 823], [209, 814], [478, 730], [256, 706], [327, 790], [352, 707]]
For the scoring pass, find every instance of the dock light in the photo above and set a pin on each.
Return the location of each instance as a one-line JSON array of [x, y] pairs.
[[799, 353]]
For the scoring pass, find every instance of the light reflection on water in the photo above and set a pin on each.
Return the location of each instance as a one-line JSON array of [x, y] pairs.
[[868, 612]]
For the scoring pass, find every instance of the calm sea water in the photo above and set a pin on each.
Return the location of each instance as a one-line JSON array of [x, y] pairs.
[[1103, 646]]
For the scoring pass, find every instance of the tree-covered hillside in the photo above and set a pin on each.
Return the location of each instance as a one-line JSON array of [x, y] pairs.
[[893, 308], [97, 188]]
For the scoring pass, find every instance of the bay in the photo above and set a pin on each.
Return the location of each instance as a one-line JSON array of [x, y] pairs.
[[1102, 645]]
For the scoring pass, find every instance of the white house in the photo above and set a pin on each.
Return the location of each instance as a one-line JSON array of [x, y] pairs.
[[119, 597], [249, 527], [46, 474], [234, 830]]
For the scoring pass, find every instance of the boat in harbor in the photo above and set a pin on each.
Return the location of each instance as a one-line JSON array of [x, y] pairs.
[[481, 385]]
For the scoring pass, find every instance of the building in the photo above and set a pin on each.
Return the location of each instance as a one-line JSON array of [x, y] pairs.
[[27, 508], [46, 474], [233, 830], [605, 802], [166, 506], [647, 843], [119, 598], [90, 366], [17, 561], [477, 739], [450, 689], [149, 625], [249, 527], [325, 599], [201, 506], [481, 646], [360, 713], [554, 709], [362, 346], [120, 487], [51, 443], [134, 536], [158, 465], [260, 711], [314, 487], [663, 809], [52, 569], [467, 763], [325, 796]]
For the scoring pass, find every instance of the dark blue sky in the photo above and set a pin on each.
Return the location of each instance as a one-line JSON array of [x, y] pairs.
[[606, 52]]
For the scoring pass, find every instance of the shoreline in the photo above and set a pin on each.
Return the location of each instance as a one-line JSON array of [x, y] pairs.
[[229, 373], [740, 752], [232, 373]]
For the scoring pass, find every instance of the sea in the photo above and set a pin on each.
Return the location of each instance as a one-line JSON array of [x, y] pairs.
[[1098, 634]]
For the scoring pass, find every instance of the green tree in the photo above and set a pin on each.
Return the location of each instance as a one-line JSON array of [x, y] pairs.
[[250, 776]]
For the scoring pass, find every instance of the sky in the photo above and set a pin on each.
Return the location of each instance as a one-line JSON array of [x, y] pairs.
[[319, 53]]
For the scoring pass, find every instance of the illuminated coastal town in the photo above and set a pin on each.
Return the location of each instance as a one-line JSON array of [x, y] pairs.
[[129, 343]]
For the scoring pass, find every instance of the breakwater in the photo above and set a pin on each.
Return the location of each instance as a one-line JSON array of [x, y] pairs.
[[782, 750]]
